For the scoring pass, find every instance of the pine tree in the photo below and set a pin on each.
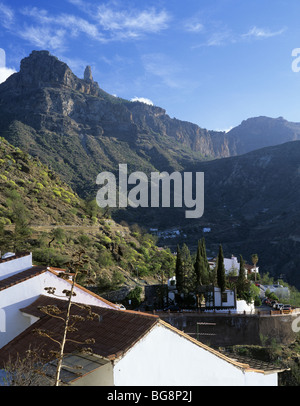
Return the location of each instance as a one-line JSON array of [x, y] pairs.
[[221, 282]]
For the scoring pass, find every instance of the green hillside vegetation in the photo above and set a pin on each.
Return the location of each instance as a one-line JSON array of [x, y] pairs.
[[40, 213], [47, 199]]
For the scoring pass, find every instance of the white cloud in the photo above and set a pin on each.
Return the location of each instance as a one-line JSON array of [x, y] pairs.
[[133, 22], [165, 68], [226, 130], [73, 24], [6, 15], [5, 73], [44, 37], [194, 25], [104, 23], [143, 100], [220, 38], [223, 36], [262, 33]]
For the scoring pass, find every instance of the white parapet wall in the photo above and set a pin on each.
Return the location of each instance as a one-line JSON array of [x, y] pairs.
[[243, 306], [14, 264]]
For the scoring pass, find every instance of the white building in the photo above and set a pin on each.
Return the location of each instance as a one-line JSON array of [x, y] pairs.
[[232, 265], [137, 349], [217, 299], [21, 283]]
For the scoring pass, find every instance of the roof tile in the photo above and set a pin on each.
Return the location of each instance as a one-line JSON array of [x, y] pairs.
[[117, 331], [21, 276]]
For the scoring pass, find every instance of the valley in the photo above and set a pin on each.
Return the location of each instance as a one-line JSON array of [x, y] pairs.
[[78, 130]]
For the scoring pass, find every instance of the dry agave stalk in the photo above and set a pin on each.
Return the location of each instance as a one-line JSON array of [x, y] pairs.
[[75, 268]]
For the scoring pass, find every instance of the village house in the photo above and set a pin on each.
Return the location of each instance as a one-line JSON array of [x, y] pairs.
[[133, 349], [130, 348], [226, 301], [214, 299], [232, 266], [21, 283]]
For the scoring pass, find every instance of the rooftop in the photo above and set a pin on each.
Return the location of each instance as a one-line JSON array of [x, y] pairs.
[[114, 332], [14, 256], [21, 276]]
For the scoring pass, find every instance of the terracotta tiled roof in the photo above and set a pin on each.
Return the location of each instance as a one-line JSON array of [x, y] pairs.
[[115, 331], [21, 276]]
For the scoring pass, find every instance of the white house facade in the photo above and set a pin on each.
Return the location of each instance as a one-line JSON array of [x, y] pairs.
[[173, 359], [21, 283], [130, 348], [232, 265], [137, 349]]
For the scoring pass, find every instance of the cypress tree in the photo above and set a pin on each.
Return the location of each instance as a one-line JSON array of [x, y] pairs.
[[206, 267], [179, 271], [187, 267], [242, 286], [221, 282], [198, 266], [203, 250]]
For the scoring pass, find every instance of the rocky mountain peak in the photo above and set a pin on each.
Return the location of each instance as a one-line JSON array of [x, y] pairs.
[[88, 74], [43, 70]]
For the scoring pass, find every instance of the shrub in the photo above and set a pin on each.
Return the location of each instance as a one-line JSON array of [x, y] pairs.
[[84, 240], [49, 257], [135, 296], [105, 240], [105, 259]]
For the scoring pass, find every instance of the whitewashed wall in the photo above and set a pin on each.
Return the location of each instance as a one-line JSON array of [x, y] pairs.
[[230, 298], [163, 358], [14, 266], [13, 322], [242, 306]]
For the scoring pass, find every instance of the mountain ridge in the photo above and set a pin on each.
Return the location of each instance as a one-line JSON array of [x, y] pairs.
[[80, 130]]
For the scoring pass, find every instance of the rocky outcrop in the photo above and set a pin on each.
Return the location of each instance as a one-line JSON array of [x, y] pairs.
[[88, 74], [77, 127], [42, 70]]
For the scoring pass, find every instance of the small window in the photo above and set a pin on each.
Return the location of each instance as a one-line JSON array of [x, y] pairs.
[[224, 297]]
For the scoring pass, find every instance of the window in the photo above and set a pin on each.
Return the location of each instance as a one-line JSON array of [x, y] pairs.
[[224, 297]]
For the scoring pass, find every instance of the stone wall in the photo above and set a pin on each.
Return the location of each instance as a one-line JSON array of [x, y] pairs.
[[234, 329]]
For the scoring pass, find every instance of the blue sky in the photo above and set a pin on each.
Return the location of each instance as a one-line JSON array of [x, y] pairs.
[[210, 62]]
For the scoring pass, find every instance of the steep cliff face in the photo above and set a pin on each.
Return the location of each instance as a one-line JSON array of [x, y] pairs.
[[40, 69], [79, 129]]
